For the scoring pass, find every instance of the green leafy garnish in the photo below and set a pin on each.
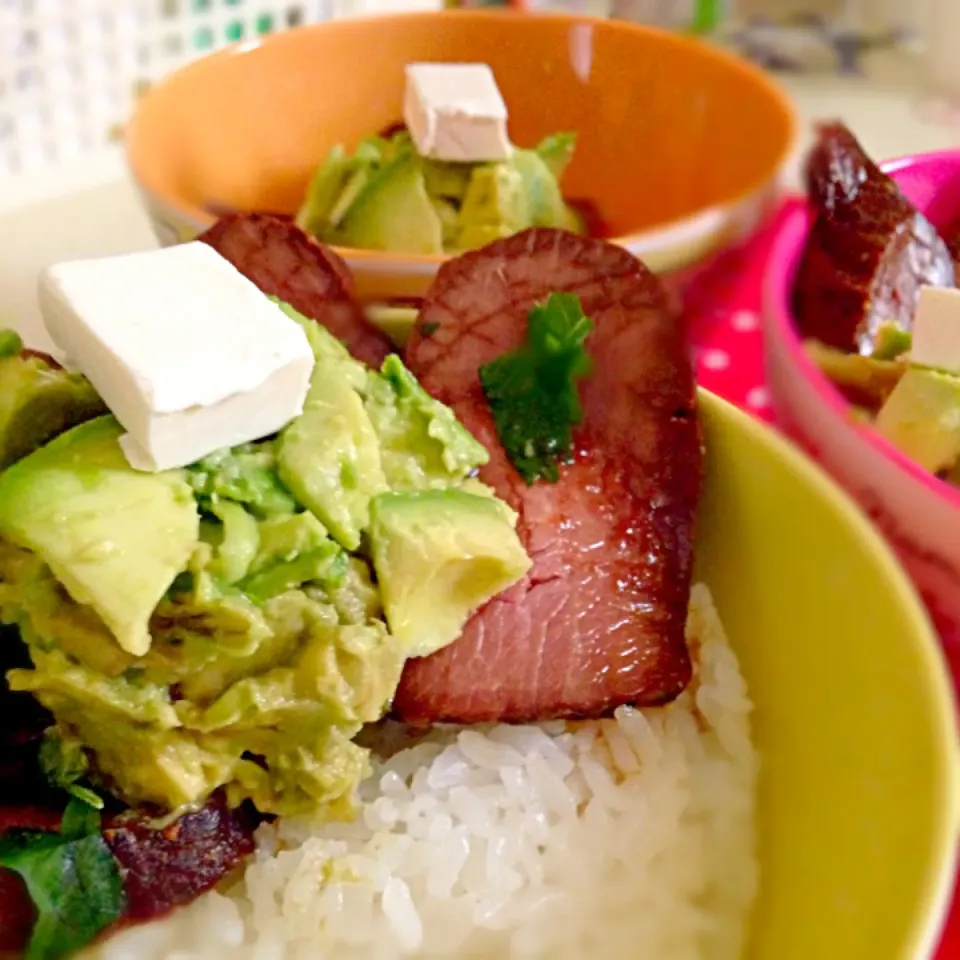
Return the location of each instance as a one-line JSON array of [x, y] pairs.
[[64, 764], [72, 879], [890, 341], [532, 391], [10, 343]]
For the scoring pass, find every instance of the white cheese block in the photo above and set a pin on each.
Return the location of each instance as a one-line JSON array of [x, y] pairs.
[[186, 352], [936, 330], [454, 112]]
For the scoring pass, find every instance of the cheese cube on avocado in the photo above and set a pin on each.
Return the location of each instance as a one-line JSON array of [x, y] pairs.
[[936, 330], [439, 555], [115, 538], [454, 111], [186, 352]]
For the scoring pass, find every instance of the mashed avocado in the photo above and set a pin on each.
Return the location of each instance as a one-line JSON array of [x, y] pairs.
[[223, 625], [387, 197]]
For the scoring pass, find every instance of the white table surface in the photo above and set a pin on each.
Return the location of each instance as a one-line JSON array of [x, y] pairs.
[[107, 219]]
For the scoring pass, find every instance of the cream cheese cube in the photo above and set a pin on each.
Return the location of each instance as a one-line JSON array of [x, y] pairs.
[[186, 352], [454, 112], [936, 330]]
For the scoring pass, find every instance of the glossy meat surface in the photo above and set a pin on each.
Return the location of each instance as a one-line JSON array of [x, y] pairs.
[[599, 620], [869, 250]]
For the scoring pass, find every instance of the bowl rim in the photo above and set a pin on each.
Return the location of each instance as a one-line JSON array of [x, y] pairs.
[[782, 262], [689, 228], [941, 874]]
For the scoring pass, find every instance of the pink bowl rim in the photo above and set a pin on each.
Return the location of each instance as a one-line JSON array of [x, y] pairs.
[[782, 263]]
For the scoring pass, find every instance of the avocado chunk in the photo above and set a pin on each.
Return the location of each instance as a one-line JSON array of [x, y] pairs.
[[921, 417], [237, 543], [326, 346], [439, 555], [39, 402], [338, 182], [891, 342], [495, 205], [446, 181], [293, 550], [393, 212], [329, 457], [246, 474], [396, 322], [422, 444], [556, 151], [542, 191], [325, 186], [11, 343], [114, 537], [865, 380]]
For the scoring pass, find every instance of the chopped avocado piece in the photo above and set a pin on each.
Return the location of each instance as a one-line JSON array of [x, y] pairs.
[[446, 181], [556, 151], [164, 728], [238, 543], [10, 343], [546, 204], [921, 417], [890, 342], [352, 189], [55, 680], [449, 214], [495, 205], [293, 550], [439, 555], [396, 322], [867, 380], [422, 444], [393, 212], [115, 538], [326, 346], [329, 457], [246, 474], [39, 402], [314, 215], [341, 179], [345, 675]]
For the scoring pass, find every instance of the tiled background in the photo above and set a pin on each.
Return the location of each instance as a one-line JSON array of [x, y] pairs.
[[70, 69]]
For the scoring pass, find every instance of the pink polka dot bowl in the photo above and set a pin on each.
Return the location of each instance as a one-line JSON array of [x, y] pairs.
[[918, 513]]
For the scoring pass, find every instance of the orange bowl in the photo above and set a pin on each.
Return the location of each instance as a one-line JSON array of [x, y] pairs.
[[679, 150]]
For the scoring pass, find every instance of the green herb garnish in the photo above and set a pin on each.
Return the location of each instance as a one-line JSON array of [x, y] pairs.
[[72, 879], [10, 343], [532, 391], [65, 764], [890, 341]]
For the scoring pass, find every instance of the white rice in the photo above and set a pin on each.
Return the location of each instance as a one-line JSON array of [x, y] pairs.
[[624, 838]]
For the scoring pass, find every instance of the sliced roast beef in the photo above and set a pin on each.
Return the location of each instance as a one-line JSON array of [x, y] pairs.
[[599, 620], [287, 263], [171, 866], [868, 252]]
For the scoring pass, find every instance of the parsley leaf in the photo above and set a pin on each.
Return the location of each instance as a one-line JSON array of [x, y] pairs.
[[64, 764], [532, 391], [71, 877]]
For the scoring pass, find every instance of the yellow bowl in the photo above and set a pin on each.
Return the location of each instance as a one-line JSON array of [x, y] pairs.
[[680, 144], [855, 721]]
